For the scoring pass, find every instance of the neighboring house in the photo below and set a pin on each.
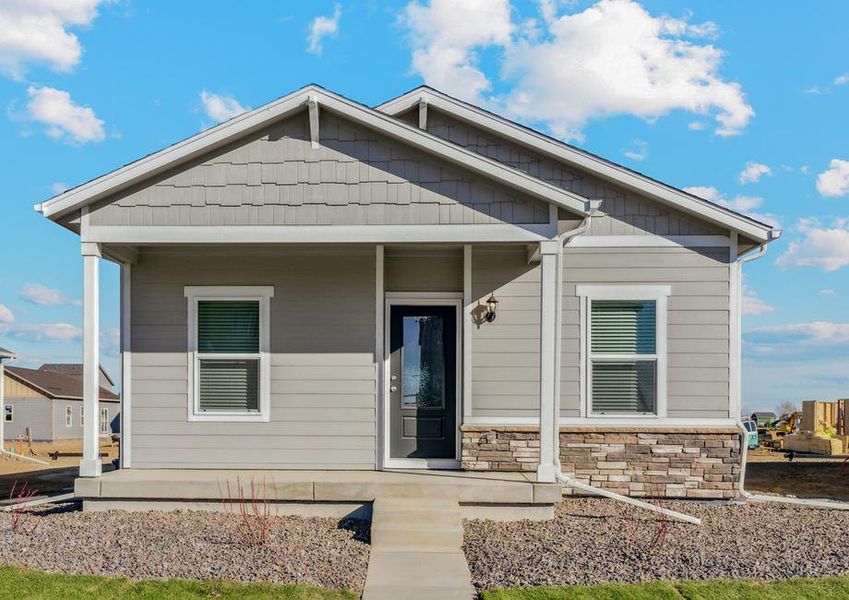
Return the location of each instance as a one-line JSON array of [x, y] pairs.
[[764, 418], [49, 404], [76, 370], [317, 284]]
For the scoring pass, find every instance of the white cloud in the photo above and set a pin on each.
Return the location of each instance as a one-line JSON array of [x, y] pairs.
[[45, 296], [6, 315], [819, 332], [834, 181], [638, 150], [752, 304], [838, 81], [322, 27], [753, 172], [446, 35], [40, 332], [220, 107], [58, 187], [827, 292], [616, 58], [696, 125], [36, 31], [740, 203], [110, 341], [826, 248], [63, 118]]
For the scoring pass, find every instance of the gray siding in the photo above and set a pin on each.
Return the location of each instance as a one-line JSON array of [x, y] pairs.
[[356, 177], [622, 212], [322, 363], [505, 353], [417, 270], [698, 320], [29, 412]]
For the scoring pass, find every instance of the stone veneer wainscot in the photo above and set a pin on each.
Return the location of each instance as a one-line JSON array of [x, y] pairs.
[[671, 462]]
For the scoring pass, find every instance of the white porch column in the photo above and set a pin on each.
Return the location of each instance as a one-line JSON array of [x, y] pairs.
[[90, 463], [547, 469]]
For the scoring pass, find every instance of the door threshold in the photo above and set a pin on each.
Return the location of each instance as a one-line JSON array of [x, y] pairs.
[[422, 463]]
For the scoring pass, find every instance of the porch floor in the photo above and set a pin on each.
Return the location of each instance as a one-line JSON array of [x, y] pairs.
[[303, 486]]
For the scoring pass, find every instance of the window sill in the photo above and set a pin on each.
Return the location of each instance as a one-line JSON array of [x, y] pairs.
[[230, 417]]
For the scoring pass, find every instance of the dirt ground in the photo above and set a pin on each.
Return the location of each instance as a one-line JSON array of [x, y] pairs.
[[42, 452], [806, 476]]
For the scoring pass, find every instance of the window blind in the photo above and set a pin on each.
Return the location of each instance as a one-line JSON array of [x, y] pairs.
[[228, 383], [624, 364], [228, 326]]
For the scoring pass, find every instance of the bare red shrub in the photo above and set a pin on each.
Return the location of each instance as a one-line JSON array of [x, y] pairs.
[[253, 506], [22, 520]]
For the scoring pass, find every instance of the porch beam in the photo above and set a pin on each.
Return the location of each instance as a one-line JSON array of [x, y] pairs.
[[90, 463], [548, 403], [468, 307]]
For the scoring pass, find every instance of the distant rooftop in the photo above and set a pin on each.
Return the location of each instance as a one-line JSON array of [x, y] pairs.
[[55, 385], [74, 369]]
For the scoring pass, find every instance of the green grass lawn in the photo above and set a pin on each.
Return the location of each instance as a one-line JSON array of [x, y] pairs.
[[23, 584], [791, 589]]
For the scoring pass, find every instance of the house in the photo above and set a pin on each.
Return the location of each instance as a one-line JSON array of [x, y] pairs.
[[764, 418], [48, 402], [321, 285]]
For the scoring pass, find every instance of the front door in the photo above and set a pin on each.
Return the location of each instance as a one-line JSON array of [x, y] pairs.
[[422, 381]]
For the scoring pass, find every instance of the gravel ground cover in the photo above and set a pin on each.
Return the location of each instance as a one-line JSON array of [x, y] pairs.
[[596, 541], [191, 545]]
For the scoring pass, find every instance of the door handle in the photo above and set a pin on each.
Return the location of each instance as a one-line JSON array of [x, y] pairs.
[[393, 388]]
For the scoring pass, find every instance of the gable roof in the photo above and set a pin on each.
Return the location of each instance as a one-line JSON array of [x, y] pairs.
[[75, 369], [257, 119], [6, 354], [583, 160], [55, 386]]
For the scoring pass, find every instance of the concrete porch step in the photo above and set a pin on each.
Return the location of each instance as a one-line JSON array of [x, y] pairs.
[[417, 550]]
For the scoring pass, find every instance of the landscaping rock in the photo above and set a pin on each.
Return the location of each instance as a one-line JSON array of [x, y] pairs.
[[192, 545], [594, 541]]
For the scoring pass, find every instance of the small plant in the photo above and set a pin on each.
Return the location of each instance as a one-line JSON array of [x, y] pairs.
[[254, 508], [658, 540], [22, 521]]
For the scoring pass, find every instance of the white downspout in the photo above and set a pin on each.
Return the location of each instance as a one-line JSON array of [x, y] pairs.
[[564, 238]]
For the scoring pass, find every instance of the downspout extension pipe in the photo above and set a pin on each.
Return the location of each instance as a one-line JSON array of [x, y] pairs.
[[563, 238]]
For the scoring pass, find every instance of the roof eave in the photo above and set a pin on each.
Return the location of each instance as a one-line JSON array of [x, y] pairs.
[[760, 232]]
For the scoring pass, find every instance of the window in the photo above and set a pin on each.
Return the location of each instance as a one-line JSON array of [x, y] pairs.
[[82, 416], [228, 346], [104, 421], [9, 413], [625, 349], [69, 416]]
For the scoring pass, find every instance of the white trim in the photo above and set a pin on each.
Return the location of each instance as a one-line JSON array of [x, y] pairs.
[[263, 295], [312, 103], [104, 423], [734, 334], [578, 158], [423, 114], [315, 234], [423, 299], [90, 465], [254, 120], [378, 351], [650, 241], [126, 367], [547, 468], [82, 415], [468, 307], [657, 293]]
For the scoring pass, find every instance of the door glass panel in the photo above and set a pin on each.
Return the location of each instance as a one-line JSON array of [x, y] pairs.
[[423, 362]]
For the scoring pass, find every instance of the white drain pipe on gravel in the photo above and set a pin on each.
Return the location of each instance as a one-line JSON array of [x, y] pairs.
[[564, 238]]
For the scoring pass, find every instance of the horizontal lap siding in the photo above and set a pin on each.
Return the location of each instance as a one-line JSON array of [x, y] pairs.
[[505, 353], [698, 320], [32, 412], [322, 361], [355, 177]]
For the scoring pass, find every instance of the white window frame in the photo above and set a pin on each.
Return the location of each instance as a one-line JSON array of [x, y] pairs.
[[104, 422], [69, 415], [657, 293], [10, 413], [82, 416], [261, 294]]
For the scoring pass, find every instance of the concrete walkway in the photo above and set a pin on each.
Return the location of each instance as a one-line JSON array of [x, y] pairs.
[[417, 550]]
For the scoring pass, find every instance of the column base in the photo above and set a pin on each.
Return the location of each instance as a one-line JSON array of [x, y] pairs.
[[547, 473], [90, 468]]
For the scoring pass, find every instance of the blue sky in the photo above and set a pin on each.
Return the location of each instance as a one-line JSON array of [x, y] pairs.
[[747, 105]]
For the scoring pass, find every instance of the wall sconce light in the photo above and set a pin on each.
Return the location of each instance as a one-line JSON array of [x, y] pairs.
[[491, 307]]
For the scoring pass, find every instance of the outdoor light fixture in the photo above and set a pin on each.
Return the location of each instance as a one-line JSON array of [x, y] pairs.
[[491, 307]]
